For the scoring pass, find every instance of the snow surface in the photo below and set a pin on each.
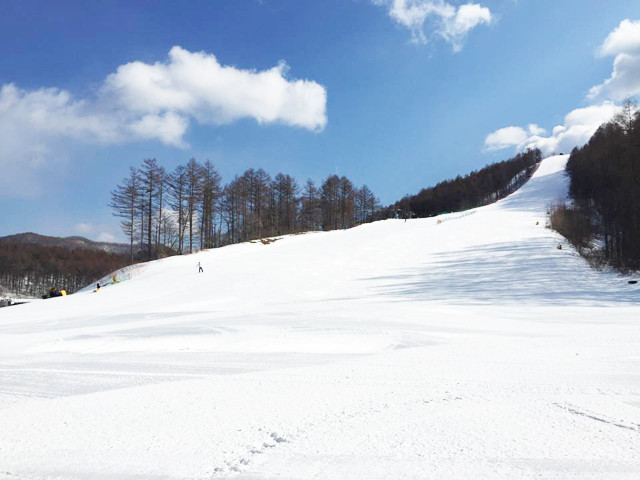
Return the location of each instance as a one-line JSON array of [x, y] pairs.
[[470, 348]]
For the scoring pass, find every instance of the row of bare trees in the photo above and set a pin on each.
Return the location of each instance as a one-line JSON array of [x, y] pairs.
[[188, 209]]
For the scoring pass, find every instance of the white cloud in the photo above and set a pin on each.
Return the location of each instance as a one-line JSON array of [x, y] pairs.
[[624, 39], [167, 127], [580, 124], [468, 16], [425, 18], [106, 237], [578, 127], [95, 232], [34, 126], [535, 129], [27, 147], [53, 112], [505, 137], [624, 81], [196, 85], [624, 44], [142, 101]]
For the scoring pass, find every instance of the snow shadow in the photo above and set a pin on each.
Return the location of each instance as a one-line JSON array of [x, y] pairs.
[[525, 272]]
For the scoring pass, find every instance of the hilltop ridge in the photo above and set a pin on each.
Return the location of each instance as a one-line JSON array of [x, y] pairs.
[[30, 238]]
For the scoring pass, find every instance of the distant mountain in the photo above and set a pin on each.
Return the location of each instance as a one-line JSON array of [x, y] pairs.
[[71, 243]]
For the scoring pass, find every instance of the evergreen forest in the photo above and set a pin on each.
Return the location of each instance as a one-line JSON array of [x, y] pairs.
[[475, 189]]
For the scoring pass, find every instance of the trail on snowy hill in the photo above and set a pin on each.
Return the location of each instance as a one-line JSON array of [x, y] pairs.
[[471, 348], [503, 254]]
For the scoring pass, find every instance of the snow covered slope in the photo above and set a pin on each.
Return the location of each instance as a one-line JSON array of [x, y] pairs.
[[461, 346]]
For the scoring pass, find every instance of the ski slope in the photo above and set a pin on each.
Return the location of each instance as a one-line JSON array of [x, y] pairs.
[[461, 349]]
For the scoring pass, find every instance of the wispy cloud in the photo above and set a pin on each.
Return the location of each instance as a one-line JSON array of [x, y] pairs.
[[97, 232], [428, 18], [580, 124]]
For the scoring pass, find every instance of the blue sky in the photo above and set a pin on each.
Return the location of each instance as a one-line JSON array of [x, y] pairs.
[[394, 94]]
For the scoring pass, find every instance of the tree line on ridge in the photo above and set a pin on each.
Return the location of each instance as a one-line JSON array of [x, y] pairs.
[[188, 209], [482, 187]]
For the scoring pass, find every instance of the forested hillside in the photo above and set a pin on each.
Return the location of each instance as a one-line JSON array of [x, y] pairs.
[[475, 189], [605, 187], [31, 269]]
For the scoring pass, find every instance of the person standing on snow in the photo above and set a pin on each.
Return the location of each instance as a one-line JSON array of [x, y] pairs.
[[200, 268]]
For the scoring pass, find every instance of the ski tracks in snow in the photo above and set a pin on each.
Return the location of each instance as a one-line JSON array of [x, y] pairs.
[[598, 417]]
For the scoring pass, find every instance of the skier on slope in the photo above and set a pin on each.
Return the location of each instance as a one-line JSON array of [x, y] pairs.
[[200, 268]]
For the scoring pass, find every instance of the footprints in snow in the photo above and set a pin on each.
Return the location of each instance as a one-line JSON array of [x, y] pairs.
[[235, 466], [269, 444], [448, 398]]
